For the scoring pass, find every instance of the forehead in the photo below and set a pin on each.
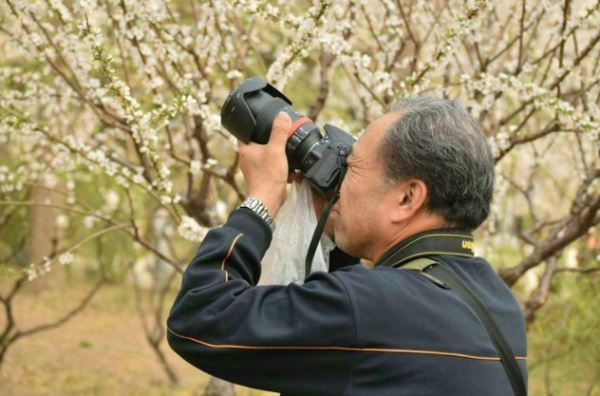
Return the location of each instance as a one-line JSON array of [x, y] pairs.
[[368, 143]]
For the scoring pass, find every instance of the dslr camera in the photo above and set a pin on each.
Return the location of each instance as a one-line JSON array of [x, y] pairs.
[[249, 112]]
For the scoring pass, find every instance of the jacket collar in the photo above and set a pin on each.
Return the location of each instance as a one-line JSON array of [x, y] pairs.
[[442, 241]]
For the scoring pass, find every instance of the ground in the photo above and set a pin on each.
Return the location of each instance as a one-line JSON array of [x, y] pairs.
[[102, 351]]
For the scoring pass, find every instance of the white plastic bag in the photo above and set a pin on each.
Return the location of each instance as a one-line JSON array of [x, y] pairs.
[[284, 261]]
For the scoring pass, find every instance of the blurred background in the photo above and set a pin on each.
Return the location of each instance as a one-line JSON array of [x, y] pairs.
[[113, 163]]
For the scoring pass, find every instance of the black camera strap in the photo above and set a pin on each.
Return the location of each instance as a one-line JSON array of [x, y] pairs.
[[444, 276], [316, 237]]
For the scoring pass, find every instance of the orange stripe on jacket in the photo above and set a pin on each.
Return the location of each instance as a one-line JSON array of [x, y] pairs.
[[342, 348], [229, 252]]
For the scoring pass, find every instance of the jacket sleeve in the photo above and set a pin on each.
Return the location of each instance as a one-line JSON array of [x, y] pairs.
[[289, 339]]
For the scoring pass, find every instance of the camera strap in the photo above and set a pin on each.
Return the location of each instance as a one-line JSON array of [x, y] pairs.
[[446, 277], [316, 237]]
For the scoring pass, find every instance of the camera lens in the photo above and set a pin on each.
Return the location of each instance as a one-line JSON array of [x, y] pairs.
[[267, 109], [250, 110], [299, 147]]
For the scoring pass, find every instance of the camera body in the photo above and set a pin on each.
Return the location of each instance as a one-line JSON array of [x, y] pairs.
[[249, 112]]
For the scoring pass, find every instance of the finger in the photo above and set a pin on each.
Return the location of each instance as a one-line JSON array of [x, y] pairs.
[[281, 127]]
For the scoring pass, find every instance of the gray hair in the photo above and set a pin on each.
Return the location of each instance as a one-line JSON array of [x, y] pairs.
[[440, 143]]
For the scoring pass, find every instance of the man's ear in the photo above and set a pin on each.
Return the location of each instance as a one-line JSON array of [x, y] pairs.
[[409, 197]]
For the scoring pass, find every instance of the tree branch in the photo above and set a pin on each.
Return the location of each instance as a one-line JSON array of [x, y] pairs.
[[583, 216]]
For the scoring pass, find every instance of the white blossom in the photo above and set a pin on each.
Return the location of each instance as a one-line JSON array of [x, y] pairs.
[[112, 200], [89, 221], [31, 272], [233, 74], [87, 5], [191, 230], [66, 258], [165, 199], [62, 221], [46, 265]]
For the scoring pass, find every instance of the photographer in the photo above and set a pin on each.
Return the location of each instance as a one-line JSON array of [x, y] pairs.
[[418, 182]]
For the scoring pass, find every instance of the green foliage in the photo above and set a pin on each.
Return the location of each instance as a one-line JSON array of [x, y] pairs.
[[86, 344]]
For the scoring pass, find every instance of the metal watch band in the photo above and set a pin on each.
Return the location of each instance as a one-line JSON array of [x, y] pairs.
[[255, 205]]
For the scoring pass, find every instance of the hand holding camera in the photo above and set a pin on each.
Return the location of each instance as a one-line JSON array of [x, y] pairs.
[[265, 166]]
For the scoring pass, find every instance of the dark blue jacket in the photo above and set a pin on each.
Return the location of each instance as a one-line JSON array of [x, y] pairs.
[[352, 332]]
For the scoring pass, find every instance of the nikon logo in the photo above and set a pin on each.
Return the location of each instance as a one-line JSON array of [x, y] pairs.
[[468, 245]]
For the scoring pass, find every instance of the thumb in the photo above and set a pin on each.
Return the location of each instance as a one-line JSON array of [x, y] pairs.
[[281, 128]]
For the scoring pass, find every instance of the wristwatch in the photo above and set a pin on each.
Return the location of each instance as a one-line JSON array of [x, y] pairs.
[[255, 205]]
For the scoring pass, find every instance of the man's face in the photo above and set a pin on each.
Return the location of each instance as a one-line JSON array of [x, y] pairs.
[[357, 213]]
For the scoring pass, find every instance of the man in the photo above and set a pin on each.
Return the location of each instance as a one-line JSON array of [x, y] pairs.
[[419, 180]]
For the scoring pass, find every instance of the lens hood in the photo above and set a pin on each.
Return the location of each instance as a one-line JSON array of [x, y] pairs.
[[237, 116]]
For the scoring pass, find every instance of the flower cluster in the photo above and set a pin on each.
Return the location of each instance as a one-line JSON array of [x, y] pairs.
[[303, 39], [191, 230]]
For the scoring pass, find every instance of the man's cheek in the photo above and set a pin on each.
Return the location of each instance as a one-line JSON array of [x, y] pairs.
[[338, 223]]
